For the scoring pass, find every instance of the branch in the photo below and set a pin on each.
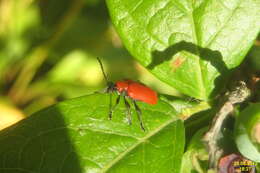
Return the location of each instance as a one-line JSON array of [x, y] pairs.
[[238, 95]]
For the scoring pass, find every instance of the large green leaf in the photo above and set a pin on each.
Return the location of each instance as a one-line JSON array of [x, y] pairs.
[[190, 45], [76, 136]]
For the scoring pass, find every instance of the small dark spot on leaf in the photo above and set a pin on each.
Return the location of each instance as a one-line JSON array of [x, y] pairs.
[[177, 62]]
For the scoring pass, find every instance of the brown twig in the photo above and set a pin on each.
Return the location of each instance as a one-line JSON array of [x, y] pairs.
[[238, 95]]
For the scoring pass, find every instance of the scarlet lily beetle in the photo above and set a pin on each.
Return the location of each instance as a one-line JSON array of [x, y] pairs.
[[129, 89]]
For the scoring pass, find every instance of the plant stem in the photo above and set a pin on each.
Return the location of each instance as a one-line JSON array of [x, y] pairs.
[[238, 95]]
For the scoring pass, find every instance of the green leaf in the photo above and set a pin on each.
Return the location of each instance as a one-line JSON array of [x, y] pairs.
[[247, 132], [254, 57], [196, 156], [186, 108], [76, 136], [191, 45]]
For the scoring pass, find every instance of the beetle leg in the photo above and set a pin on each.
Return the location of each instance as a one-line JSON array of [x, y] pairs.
[[139, 115], [111, 109], [128, 111]]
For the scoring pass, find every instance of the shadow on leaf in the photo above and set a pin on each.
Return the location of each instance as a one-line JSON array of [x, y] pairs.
[[215, 58], [40, 143]]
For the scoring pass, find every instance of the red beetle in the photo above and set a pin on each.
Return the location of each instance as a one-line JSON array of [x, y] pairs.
[[133, 90], [137, 91]]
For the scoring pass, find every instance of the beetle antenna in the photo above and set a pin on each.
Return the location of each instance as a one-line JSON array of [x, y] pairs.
[[102, 68]]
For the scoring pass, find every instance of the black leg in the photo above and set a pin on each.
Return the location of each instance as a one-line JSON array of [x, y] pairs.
[[111, 109], [139, 115], [128, 111]]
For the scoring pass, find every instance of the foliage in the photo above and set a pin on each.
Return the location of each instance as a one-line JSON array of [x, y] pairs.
[[190, 52], [247, 132], [78, 132], [187, 44]]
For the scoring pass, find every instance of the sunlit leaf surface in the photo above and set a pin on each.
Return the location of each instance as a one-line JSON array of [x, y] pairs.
[[76, 136], [191, 45]]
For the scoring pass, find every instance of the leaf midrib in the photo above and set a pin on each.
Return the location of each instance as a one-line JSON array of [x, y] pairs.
[[140, 141], [202, 93]]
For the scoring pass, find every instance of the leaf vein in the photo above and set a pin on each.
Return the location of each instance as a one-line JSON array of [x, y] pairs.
[[141, 140], [221, 28]]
